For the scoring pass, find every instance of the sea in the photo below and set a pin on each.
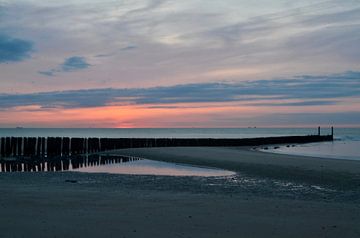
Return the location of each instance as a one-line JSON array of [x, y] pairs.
[[346, 144]]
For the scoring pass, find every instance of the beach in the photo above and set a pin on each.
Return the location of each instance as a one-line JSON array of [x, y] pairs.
[[184, 119], [271, 196]]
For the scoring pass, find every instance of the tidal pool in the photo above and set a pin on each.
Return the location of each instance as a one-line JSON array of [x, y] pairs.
[[112, 164], [151, 167]]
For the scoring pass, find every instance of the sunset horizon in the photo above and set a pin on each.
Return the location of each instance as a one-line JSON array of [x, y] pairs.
[[168, 118], [159, 63]]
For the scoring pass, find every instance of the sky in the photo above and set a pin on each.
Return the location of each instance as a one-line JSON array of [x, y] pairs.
[[169, 63]]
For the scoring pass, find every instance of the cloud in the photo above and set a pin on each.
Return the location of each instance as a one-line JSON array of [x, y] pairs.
[[301, 103], [48, 73], [287, 119], [350, 118], [74, 63], [71, 64], [126, 48], [181, 41], [13, 49], [306, 90]]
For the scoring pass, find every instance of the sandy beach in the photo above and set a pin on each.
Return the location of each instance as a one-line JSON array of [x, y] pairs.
[[271, 196], [179, 119]]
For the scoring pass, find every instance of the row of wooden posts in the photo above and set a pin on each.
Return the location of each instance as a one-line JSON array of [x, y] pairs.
[[50, 146], [65, 146], [61, 163]]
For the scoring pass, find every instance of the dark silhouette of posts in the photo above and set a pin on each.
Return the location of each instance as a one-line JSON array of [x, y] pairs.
[[54, 147], [2, 147], [19, 146], [40, 146], [7, 146], [77, 145], [65, 146]]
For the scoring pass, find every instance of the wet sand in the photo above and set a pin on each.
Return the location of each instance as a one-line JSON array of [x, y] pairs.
[[344, 173], [102, 205]]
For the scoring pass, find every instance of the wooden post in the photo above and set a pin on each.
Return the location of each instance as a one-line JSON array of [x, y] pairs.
[[19, 146], [65, 146], [319, 131], [332, 132], [7, 146], [2, 147]]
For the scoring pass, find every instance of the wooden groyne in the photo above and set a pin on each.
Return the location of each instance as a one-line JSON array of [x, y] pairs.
[[64, 163], [65, 146]]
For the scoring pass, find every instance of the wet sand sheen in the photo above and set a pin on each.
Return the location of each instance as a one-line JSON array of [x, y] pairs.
[[104, 205], [342, 173], [151, 167]]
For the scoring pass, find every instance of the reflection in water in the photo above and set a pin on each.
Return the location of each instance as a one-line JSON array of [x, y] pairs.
[[107, 164], [151, 167], [336, 150], [38, 164]]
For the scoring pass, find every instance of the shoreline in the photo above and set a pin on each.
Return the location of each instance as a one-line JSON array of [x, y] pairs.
[[69, 204], [341, 173], [346, 165], [314, 154]]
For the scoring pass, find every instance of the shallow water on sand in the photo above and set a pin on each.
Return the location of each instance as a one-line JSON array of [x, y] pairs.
[[113, 164], [338, 149], [151, 167]]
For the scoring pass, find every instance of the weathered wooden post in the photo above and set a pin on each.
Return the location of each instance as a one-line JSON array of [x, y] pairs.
[[50, 146], [7, 146], [90, 145], [85, 146], [2, 146], [38, 146], [12, 146], [65, 146], [332, 132], [43, 146], [19, 146], [319, 131], [77, 145]]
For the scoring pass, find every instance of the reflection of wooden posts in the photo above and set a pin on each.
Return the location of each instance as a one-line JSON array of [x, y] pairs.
[[319, 131]]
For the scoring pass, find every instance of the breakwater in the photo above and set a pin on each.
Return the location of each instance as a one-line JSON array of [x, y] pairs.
[[65, 146], [64, 163]]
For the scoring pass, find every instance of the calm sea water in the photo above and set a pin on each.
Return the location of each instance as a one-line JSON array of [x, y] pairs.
[[166, 132], [345, 146]]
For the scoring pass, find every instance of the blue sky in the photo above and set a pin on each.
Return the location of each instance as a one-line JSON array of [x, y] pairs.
[[276, 57]]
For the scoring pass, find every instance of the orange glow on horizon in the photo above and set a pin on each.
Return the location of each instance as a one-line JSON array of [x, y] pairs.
[[217, 114], [118, 116]]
